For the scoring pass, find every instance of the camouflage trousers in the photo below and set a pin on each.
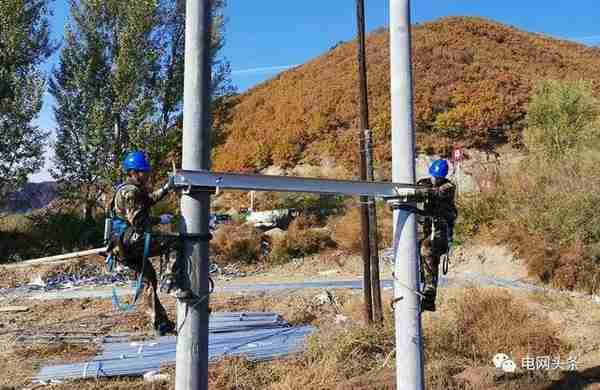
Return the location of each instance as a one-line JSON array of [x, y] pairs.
[[134, 258], [431, 251]]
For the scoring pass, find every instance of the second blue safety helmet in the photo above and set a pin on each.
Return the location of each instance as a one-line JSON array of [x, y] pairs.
[[136, 161], [438, 168]]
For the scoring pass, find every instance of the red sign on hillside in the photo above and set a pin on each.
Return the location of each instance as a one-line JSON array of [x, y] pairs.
[[457, 154]]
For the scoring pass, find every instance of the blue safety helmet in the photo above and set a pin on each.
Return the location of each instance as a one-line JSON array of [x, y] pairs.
[[438, 168], [136, 161]]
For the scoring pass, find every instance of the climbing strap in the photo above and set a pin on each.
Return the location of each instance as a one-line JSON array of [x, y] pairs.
[[139, 284], [445, 262], [192, 300], [446, 256]]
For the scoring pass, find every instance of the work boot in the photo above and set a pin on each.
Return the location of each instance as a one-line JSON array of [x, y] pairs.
[[168, 283], [428, 302], [164, 327], [160, 319]]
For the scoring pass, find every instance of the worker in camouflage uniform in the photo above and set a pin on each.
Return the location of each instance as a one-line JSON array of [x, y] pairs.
[[436, 213], [131, 218], [436, 216]]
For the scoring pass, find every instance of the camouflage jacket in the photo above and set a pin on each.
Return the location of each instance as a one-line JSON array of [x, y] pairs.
[[132, 203], [438, 209]]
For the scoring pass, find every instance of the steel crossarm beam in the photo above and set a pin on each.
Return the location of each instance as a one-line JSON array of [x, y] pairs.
[[235, 181]]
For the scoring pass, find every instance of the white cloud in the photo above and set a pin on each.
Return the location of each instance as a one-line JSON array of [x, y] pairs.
[[261, 70]]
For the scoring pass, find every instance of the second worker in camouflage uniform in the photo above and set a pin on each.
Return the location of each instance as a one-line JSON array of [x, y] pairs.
[[131, 218], [436, 214]]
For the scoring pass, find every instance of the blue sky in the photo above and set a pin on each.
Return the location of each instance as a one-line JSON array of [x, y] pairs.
[[267, 36]]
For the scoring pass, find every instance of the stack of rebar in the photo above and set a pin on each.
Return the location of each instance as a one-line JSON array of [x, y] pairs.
[[256, 336]]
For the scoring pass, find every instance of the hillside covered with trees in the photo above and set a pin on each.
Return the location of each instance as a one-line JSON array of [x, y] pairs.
[[473, 80]]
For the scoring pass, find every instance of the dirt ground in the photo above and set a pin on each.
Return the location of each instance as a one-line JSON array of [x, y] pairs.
[[70, 330]]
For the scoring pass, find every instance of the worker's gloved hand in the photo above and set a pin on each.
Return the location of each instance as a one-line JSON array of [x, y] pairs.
[[166, 219], [169, 184], [405, 192]]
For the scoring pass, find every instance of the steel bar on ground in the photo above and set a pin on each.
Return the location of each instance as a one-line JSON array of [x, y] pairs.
[[192, 314], [407, 311], [55, 259], [256, 336]]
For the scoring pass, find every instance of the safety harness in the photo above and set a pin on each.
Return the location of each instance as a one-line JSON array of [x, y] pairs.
[[445, 258], [115, 239]]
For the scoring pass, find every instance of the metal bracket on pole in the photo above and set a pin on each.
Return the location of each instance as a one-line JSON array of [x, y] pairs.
[[187, 188]]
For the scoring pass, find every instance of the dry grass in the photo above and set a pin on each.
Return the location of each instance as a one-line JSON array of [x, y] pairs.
[[298, 309], [476, 324], [547, 216], [347, 228], [237, 243], [473, 80], [23, 361], [301, 239], [470, 327], [347, 231]]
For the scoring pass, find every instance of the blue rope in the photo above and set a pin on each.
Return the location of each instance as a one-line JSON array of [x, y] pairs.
[[139, 284], [110, 263]]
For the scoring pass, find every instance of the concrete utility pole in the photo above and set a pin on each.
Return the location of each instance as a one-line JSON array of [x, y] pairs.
[[377, 311], [407, 313], [192, 315]]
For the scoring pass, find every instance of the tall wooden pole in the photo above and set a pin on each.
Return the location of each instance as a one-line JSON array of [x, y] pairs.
[[377, 310], [364, 201]]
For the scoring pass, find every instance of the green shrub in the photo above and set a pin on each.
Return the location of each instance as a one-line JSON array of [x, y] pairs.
[[63, 232], [562, 116], [47, 233]]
